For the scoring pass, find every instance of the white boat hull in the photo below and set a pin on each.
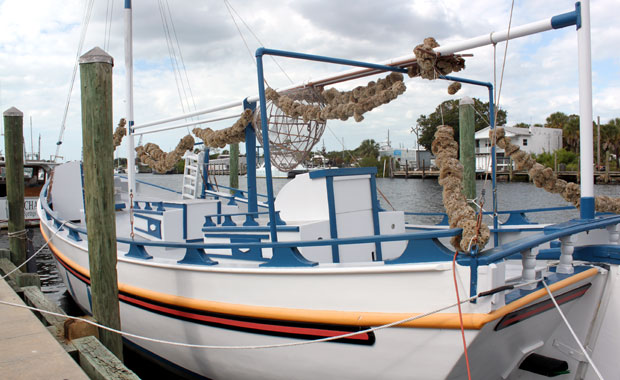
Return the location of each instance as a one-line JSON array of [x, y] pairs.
[[156, 300]]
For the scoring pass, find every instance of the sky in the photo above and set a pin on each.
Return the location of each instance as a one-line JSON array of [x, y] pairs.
[[39, 40]]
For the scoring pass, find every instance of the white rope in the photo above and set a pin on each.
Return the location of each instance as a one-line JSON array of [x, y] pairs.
[[229, 5], [85, 21], [35, 254], [501, 78], [573, 333], [17, 234], [255, 347]]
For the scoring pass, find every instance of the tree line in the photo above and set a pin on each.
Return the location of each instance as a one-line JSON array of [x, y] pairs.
[[447, 113]]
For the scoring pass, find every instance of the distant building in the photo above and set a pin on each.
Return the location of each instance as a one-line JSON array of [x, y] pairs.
[[414, 158], [531, 140]]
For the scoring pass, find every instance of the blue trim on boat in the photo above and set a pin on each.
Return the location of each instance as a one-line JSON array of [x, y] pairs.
[[567, 19], [587, 207], [333, 223], [325, 173], [153, 226], [375, 217]]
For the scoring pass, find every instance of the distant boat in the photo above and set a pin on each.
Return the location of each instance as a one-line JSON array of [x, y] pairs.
[[36, 172], [277, 173]]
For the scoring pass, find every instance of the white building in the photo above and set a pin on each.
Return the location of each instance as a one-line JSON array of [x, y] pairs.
[[531, 140]]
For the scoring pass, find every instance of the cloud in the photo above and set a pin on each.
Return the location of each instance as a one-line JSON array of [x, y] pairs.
[[38, 42]]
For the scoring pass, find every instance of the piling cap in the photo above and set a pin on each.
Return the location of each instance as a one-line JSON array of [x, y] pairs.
[[466, 100], [13, 112], [96, 55]]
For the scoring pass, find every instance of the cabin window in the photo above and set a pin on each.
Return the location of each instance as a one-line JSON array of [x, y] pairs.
[[524, 142], [28, 173]]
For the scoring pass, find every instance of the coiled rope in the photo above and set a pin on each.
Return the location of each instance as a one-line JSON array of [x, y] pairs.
[[460, 214]]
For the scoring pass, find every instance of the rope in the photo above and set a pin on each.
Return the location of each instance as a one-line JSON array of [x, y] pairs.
[[131, 233], [501, 78], [254, 347], [456, 289], [585, 352], [229, 5], [17, 234], [85, 21], [36, 253]]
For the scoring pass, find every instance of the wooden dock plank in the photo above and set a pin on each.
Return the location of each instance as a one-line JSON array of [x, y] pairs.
[[27, 349]]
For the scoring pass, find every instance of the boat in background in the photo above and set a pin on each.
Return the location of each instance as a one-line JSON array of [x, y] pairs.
[[36, 173], [277, 173]]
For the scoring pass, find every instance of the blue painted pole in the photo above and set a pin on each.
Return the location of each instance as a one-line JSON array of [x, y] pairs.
[[250, 156], [265, 132]]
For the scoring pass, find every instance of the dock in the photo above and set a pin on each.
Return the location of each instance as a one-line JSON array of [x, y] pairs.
[[39, 345], [27, 349], [516, 176]]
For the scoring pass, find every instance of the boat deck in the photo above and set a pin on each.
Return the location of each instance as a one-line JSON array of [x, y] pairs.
[[27, 349]]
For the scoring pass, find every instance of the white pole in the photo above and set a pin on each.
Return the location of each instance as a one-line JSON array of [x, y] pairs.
[[131, 174], [586, 143]]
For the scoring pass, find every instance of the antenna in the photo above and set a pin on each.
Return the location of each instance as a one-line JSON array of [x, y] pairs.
[[31, 145]]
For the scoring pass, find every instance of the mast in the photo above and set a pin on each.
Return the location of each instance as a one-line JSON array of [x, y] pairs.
[[131, 174], [586, 143]]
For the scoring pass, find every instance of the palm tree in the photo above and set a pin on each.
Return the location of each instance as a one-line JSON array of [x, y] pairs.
[[368, 148], [556, 120], [570, 133], [614, 129]]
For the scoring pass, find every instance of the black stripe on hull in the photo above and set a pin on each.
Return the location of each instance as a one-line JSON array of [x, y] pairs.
[[540, 307], [271, 327]]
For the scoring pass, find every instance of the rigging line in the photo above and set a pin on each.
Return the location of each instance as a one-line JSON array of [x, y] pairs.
[[501, 78], [108, 25], [583, 350], [172, 55], [174, 32], [259, 41], [85, 21], [240, 34], [458, 299], [228, 7]]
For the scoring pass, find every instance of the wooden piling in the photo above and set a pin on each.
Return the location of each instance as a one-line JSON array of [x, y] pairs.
[[14, 166], [97, 124], [234, 166], [467, 154]]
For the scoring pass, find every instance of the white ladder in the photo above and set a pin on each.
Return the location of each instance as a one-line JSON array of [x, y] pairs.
[[193, 175]]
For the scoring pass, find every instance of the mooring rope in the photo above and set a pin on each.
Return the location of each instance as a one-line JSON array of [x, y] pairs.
[[267, 346], [17, 234], [36, 253], [251, 347], [583, 350]]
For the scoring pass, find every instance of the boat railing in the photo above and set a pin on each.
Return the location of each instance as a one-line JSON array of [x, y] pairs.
[[515, 217], [237, 193], [527, 248], [250, 219], [422, 246], [150, 184]]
